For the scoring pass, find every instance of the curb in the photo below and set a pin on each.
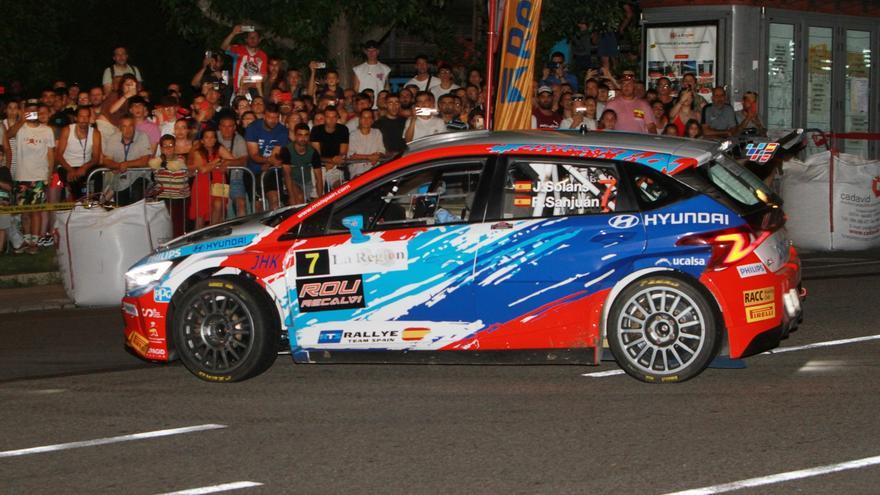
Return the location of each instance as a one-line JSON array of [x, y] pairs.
[[30, 279], [43, 306]]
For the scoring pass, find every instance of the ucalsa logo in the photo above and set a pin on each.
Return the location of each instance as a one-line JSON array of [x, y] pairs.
[[875, 186]]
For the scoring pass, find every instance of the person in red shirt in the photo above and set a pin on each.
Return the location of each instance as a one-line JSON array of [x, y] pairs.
[[249, 63]]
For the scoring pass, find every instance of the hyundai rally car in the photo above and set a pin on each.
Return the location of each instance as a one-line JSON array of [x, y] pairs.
[[504, 247]]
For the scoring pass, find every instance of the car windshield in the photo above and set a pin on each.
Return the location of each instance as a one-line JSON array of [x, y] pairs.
[[738, 182]]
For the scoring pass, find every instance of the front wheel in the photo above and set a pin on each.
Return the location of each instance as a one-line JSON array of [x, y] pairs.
[[662, 329], [223, 331]]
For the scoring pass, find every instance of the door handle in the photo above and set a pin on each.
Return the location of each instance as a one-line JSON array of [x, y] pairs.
[[502, 225], [612, 236]]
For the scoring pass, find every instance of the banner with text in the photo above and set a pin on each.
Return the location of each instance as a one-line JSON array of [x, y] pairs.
[[674, 51], [519, 45]]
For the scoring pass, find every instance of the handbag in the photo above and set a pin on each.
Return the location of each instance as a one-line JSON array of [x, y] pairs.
[[219, 190]]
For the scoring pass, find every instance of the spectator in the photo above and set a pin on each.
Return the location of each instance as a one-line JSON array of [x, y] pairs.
[[303, 171], [583, 114], [208, 201], [265, 138], [660, 117], [138, 108], [446, 84], [664, 93], [689, 81], [423, 80], [608, 121], [583, 48], [424, 121], [236, 150], [73, 92], [116, 104], [331, 84], [129, 150], [13, 116], [249, 62], [475, 78], [258, 106], [651, 96], [371, 74], [446, 108], [392, 125], [330, 140], [79, 150], [293, 83], [113, 74], [211, 71], [543, 116], [96, 97], [6, 223], [633, 114], [693, 129], [603, 95], [166, 114], [35, 157], [273, 75], [750, 123], [719, 119], [557, 72], [361, 102], [685, 109], [670, 130], [82, 99], [365, 143], [407, 102]]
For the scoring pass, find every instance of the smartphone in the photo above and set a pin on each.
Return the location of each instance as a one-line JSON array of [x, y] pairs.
[[216, 86], [253, 78], [209, 54], [580, 109], [31, 116], [320, 65], [225, 76], [424, 111], [611, 93], [247, 29], [248, 96]]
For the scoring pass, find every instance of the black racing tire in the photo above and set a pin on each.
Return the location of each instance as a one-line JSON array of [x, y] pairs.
[[662, 329], [224, 330]]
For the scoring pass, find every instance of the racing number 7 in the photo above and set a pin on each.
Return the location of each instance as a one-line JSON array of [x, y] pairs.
[[310, 263], [314, 259]]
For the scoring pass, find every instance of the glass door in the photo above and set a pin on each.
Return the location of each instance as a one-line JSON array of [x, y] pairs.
[[856, 107], [780, 77]]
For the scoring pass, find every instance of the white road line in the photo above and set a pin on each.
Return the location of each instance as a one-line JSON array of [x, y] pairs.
[[823, 344], [830, 343], [225, 487], [105, 441], [600, 374], [779, 478]]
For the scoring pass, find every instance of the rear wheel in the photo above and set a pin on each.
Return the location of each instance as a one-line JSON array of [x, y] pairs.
[[224, 332], [662, 329]]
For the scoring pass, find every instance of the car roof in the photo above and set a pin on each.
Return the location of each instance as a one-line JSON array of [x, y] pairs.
[[698, 149]]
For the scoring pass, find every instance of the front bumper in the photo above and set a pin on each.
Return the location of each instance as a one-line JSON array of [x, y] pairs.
[[145, 327]]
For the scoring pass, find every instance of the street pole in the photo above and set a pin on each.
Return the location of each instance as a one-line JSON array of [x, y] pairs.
[[490, 61]]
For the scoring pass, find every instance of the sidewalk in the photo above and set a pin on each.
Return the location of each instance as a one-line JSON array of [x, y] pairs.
[[40, 297]]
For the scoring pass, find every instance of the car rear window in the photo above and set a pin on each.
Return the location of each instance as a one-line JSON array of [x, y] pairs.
[[737, 182]]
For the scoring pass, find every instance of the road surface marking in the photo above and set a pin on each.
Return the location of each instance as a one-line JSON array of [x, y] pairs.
[[600, 374], [225, 487], [779, 478], [603, 374], [823, 344], [105, 441]]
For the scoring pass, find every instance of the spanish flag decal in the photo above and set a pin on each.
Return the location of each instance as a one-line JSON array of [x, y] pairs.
[[522, 186], [522, 201], [415, 333]]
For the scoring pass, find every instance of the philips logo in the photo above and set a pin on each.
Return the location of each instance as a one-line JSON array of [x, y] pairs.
[[623, 221], [752, 270]]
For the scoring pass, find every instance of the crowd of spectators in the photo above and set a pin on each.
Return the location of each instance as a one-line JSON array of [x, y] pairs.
[[258, 130]]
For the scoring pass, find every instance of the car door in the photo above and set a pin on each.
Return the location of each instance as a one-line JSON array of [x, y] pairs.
[[392, 269], [564, 232]]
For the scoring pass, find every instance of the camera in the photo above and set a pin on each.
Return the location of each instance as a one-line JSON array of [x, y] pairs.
[[552, 65], [216, 86], [247, 29]]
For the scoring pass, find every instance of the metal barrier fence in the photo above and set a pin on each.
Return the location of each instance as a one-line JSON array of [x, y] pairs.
[[301, 182]]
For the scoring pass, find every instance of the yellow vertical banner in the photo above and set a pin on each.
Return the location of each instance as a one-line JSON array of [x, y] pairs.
[[522, 20]]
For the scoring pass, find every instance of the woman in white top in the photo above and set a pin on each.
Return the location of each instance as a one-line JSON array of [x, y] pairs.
[[583, 113]]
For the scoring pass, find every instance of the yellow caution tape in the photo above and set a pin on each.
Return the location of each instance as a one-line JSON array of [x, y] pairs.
[[5, 210]]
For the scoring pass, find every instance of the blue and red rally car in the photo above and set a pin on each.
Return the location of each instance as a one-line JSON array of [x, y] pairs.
[[515, 247]]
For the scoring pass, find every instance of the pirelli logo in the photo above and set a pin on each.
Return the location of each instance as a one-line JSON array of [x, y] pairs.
[[760, 304]]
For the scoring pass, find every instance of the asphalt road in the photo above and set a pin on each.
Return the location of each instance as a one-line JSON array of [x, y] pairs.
[[442, 429]]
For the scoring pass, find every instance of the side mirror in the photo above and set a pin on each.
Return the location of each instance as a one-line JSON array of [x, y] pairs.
[[354, 224]]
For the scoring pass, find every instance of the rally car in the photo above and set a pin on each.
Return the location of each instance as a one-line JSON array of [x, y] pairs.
[[491, 247]]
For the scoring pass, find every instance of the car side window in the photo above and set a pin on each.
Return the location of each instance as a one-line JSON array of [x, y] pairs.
[[543, 189], [438, 195], [655, 189]]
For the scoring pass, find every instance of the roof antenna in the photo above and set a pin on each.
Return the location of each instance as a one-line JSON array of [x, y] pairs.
[[583, 128]]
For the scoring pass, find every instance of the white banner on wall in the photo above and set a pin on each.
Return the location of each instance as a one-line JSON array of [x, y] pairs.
[[673, 51]]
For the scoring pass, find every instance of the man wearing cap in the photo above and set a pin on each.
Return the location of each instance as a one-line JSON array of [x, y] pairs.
[[633, 114], [543, 116], [371, 74]]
